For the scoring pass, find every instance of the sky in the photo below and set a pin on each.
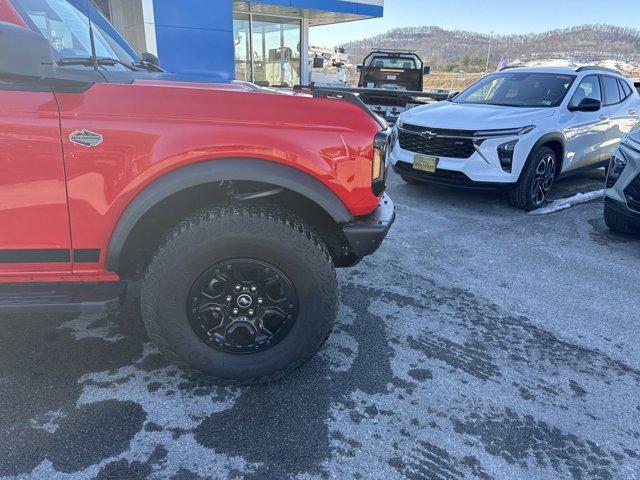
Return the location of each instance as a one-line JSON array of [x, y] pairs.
[[500, 16]]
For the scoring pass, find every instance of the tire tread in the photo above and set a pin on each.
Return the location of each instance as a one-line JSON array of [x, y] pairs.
[[278, 217]]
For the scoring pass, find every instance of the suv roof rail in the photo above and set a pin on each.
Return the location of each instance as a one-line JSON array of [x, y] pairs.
[[393, 50], [511, 67], [596, 68]]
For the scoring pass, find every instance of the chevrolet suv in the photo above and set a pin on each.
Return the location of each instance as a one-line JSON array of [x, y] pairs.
[[622, 196], [519, 129]]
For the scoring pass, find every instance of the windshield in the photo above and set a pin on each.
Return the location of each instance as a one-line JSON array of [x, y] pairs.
[[398, 63], [518, 89], [67, 29]]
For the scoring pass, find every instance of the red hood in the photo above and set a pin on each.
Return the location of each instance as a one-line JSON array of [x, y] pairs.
[[228, 87]]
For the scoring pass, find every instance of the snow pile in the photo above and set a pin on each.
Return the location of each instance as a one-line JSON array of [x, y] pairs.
[[565, 203]]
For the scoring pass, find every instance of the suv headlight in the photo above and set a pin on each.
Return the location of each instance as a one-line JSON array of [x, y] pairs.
[[617, 165], [505, 155], [381, 150], [378, 164]]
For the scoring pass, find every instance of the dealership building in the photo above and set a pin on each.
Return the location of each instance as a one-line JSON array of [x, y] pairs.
[[265, 41]]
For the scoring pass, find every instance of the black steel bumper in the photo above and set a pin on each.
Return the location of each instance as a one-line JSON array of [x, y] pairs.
[[622, 209], [365, 234], [447, 177]]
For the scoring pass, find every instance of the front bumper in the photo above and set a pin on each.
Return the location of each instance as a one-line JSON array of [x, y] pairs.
[[446, 177], [365, 234], [482, 169], [622, 209]]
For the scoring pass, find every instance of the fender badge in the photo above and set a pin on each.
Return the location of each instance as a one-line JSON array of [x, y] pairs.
[[86, 138]]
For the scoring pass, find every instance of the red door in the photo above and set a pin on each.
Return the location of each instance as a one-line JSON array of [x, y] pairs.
[[35, 236]]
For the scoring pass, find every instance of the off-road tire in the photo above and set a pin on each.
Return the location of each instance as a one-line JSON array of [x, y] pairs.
[[617, 222], [520, 196], [221, 233]]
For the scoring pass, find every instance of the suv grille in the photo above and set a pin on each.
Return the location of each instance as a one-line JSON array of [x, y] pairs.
[[437, 142], [632, 192]]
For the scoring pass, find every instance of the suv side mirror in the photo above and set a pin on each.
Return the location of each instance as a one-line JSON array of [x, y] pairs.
[[587, 105], [26, 55], [452, 95], [150, 58], [360, 67], [426, 70]]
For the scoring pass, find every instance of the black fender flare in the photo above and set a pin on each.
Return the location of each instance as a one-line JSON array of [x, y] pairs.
[[549, 137], [219, 170]]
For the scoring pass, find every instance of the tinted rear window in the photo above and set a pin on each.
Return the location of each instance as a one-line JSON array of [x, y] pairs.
[[611, 90]]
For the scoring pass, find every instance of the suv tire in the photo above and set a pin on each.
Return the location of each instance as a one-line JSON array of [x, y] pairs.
[[617, 222], [223, 234], [536, 180]]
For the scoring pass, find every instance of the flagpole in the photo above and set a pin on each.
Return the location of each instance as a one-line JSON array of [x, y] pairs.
[[486, 70]]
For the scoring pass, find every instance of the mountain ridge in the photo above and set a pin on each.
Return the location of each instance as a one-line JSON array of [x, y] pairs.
[[452, 50]]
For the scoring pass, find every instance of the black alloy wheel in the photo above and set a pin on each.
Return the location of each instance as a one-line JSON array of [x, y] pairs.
[[536, 180], [545, 175], [242, 306]]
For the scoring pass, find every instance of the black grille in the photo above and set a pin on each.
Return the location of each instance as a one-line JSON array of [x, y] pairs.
[[632, 192], [444, 174], [437, 142], [610, 182]]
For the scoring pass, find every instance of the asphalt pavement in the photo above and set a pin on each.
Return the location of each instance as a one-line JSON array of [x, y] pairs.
[[478, 343]]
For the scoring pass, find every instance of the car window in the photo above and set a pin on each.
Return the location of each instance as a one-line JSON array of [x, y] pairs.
[[67, 29], [611, 91], [518, 89], [589, 88], [626, 89], [394, 63]]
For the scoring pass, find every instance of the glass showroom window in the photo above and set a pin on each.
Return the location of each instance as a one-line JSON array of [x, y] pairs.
[[242, 40], [267, 50]]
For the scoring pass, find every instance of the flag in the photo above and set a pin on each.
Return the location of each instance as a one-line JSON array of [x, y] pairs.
[[503, 62]]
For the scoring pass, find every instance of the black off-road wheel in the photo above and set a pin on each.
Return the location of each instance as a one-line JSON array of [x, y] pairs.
[[240, 295], [536, 180], [617, 222]]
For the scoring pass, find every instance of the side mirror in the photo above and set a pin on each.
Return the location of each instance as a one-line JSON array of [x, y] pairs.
[[150, 58], [26, 55], [360, 67], [426, 70], [587, 105]]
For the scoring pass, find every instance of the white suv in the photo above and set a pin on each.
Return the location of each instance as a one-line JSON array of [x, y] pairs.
[[520, 128]]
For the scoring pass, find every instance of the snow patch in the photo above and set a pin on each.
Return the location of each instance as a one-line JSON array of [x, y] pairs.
[[92, 326], [565, 203]]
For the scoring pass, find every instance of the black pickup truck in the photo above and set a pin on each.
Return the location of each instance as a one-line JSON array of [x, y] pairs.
[[392, 82]]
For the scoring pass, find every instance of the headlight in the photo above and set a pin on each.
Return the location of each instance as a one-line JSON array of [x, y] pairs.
[[505, 155], [379, 162], [616, 167], [504, 132]]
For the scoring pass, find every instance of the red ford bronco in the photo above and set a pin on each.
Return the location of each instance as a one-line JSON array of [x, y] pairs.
[[233, 204]]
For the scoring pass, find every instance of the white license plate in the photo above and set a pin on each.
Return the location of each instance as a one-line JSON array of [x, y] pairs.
[[425, 163]]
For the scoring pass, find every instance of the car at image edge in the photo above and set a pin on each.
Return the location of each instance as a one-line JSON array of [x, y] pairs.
[[519, 129], [622, 195], [230, 204]]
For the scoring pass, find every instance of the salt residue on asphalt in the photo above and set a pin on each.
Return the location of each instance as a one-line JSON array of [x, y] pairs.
[[565, 203]]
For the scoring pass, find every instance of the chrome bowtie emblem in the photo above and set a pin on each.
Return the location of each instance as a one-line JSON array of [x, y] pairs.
[[245, 301], [86, 138], [428, 134]]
